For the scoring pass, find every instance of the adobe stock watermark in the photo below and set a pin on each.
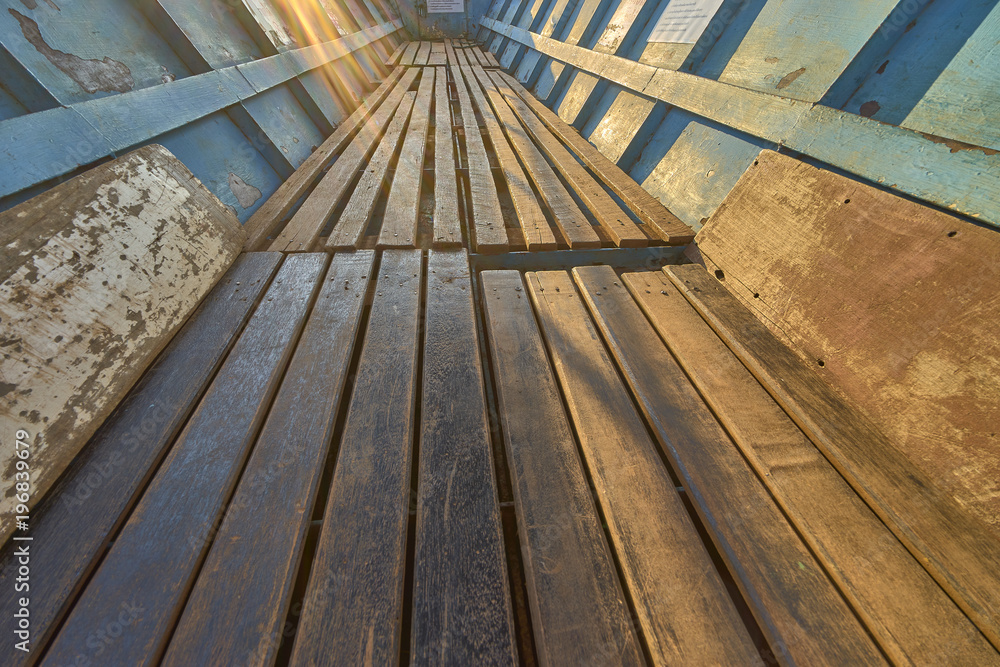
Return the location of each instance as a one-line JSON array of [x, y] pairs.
[[22, 550]]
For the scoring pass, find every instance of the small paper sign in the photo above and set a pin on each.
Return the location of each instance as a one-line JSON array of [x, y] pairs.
[[445, 6], [684, 21]]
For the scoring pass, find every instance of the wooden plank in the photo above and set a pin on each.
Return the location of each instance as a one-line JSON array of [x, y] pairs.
[[612, 218], [102, 272], [438, 55], [681, 603], [395, 55], [449, 49], [573, 224], [797, 606], [577, 607], [447, 227], [149, 569], [876, 573], [640, 202], [957, 550], [399, 223], [461, 600], [353, 605], [538, 235], [491, 60], [71, 528], [487, 227], [354, 219], [302, 231], [423, 53], [256, 553], [409, 54]]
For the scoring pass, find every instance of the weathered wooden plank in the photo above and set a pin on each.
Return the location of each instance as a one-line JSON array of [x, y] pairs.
[[798, 607], [876, 573], [72, 526], [461, 600], [257, 550], [399, 223], [447, 227], [487, 226], [612, 218], [423, 53], [449, 49], [680, 600], [302, 231], [354, 219], [409, 54], [577, 607], [538, 235], [265, 219], [957, 550], [573, 224], [353, 604], [491, 60], [147, 573], [438, 55], [395, 55], [101, 274], [640, 202]]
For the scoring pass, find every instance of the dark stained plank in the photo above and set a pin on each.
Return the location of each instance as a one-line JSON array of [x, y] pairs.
[[461, 599], [393, 58], [153, 562], [615, 221], [302, 231], [409, 54], [266, 219], [423, 54], [487, 227], [447, 226], [354, 219], [399, 222], [353, 604], [640, 202], [537, 233], [438, 54], [573, 224], [681, 603], [71, 528], [959, 551], [257, 551], [876, 573], [578, 608], [799, 609]]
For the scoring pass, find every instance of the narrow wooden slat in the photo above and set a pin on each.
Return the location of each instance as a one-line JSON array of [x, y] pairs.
[[449, 48], [258, 547], [265, 219], [399, 223], [487, 226], [876, 573], [680, 600], [423, 54], [577, 607], [800, 610], [573, 224], [354, 219], [447, 227], [409, 54], [395, 55], [301, 232], [619, 226], [461, 600], [640, 202], [71, 528], [538, 235], [957, 550], [146, 574], [353, 603], [438, 54], [491, 59]]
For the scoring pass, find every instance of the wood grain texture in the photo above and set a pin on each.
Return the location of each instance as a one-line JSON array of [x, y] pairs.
[[353, 604], [438, 55], [682, 606], [265, 220], [960, 552], [461, 599], [409, 54], [356, 215], [578, 609], [878, 576], [447, 226], [152, 564], [393, 58], [640, 202], [101, 274], [423, 53], [302, 231], [797, 606], [897, 301], [257, 551]]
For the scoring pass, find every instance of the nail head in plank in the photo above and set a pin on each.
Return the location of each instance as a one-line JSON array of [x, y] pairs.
[[153, 562], [447, 228], [578, 609]]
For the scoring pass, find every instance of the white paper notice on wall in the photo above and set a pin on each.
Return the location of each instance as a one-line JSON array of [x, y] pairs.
[[445, 6], [684, 21]]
